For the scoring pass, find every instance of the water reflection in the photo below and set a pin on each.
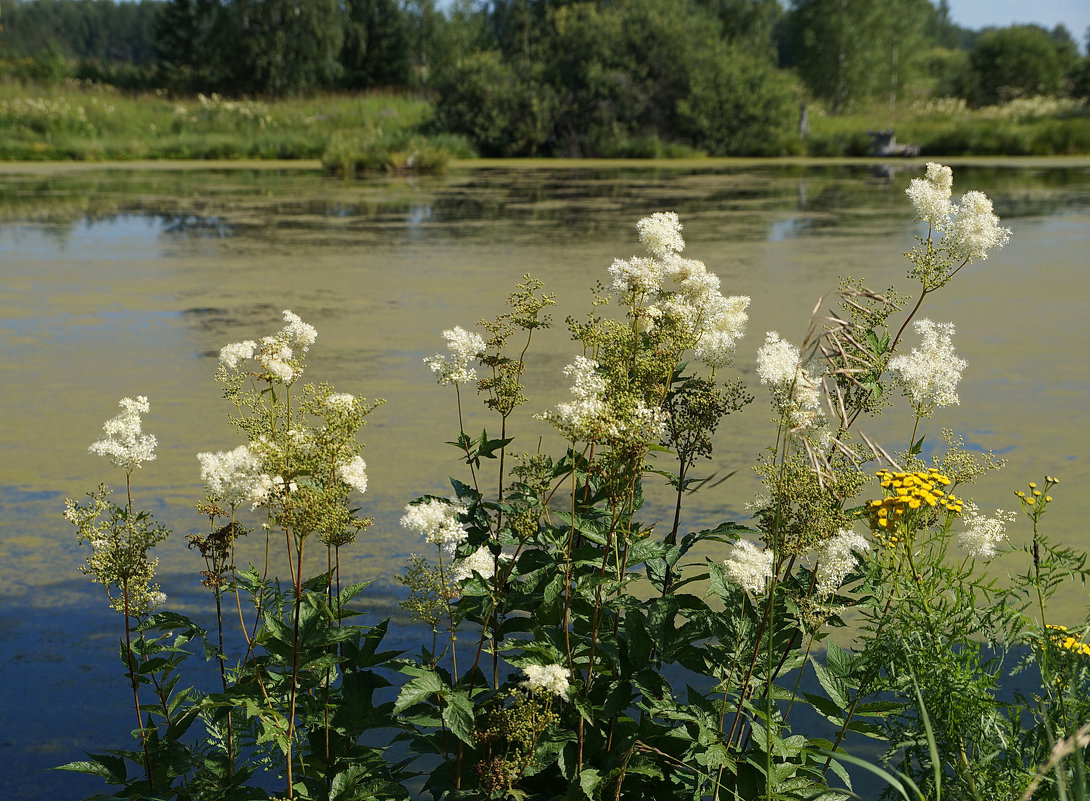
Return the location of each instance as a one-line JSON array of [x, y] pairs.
[[125, 283]]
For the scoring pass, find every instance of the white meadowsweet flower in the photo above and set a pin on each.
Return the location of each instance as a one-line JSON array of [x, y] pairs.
[[661, 233], [725, 324], [643, 424], [234, 477], [837, 559], [354, 474], [481, 562], [749, 567], [231, 355], [584, 417], [263, 488], [341, 401], [125, 444], [930, 196], [932, 371], [275, 355], [438, 521], [794, 389], [777, 360], [975, 229], [552, 679], [696, 281], [983, 535], [465, 346], [156, 600], [636, 275], [301, 335]]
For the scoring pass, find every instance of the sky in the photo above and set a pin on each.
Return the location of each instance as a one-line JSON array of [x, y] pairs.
[[976, 14]]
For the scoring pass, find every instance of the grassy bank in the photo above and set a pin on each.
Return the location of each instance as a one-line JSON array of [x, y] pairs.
[[96, 123], [1038, 126], [379, 131]]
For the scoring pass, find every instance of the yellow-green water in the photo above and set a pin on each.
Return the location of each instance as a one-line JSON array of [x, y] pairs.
[[126, 282]]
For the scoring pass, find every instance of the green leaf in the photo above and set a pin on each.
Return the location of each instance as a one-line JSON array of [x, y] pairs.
[[901, 783], [418, 690], [828, 709], [109, 767], [458, 715], [831, 684], [589, 780]]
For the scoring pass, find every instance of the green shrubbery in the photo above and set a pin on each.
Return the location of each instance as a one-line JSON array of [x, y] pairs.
[[602, 81], [572, 648]]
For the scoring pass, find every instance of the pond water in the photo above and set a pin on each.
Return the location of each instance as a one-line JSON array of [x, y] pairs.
[[127, 281]]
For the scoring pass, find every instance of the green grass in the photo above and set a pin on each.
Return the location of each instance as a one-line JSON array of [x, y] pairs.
[[96, 123], [392, 132], [946, 127]]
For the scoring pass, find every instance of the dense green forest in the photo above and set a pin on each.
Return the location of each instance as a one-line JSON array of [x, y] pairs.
[[558, 77]]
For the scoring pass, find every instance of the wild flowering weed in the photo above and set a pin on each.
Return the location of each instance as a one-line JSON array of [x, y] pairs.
[[569, 621]]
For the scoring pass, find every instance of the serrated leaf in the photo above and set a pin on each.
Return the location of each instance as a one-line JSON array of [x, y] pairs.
[[589, 780], [458, 715], [418, 690], [831, 684]]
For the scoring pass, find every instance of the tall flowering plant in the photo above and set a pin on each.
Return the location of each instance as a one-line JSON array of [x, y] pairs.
[[564, 622]]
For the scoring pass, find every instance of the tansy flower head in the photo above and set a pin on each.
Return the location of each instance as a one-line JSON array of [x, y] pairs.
[[910, 494]]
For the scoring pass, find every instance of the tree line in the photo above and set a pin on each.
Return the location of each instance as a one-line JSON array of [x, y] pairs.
[[574, 77]]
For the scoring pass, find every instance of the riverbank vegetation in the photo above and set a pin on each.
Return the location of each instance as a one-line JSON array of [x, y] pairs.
[[537, 78], [575, 644]]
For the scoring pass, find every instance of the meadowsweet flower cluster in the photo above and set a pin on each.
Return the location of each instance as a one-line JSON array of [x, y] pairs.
[[235, 477], [983, 536], [280, 355], [975, 229], [465, 347], [661, 233], [837, 559], [340, 402], [796, 389], [909, 493], [585, 417], [438, 521], [749, 567], [481, 561], [552, 679], [354, 474], [124, 443], [930, 196], [970, 227], [712, 322], [930, 374]]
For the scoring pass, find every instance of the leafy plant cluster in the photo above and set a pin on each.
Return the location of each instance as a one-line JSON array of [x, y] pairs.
[[577, 650]]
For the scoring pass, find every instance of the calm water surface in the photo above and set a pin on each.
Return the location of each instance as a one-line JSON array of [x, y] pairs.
[[126, 282]]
